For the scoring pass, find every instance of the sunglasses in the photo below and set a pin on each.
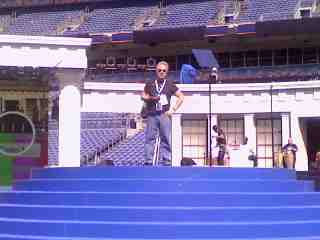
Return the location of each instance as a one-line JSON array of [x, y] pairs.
[[162, 70]]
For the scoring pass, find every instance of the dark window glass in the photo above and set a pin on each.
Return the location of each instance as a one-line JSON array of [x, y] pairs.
[[237, 59], [182, 59], [309, 55], [295, 55], [266, 58], [224, 60], [252, 58], [280, 57]]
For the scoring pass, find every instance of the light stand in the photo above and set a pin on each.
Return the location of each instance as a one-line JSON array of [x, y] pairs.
[[207, 61], [212, 78]]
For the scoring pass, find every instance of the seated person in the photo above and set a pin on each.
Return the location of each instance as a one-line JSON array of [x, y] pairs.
[[248, 152]]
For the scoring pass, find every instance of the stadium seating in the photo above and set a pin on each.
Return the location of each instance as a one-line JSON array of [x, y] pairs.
[[53, 124], [282, 73], [92, 141], [99, 140], [183, 13], [113, 17], [129, 77], [28, 3], [53, 146], [268, 74], [41, 22], [128, 153], [275, 10], [248, 12], [119, 16], [100, 131]]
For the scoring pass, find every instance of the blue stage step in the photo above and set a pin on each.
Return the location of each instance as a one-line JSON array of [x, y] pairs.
[[30, 237], [165, 185], [167, 214], [172, 199], [153, 203], [161, 230], [164, 172]]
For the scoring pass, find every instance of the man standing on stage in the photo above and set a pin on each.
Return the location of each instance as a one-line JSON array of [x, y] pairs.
[[289, 153], [157, 95]]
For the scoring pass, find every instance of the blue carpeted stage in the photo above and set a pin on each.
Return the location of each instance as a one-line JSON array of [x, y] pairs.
[[160, 203]]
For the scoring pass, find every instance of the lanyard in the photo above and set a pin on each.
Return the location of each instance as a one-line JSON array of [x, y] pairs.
[[159, 89]]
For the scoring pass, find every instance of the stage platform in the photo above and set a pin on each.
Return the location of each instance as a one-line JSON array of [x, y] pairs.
[[160, 203]]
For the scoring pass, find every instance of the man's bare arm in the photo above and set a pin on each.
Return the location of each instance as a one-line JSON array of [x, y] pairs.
[[180, 98]]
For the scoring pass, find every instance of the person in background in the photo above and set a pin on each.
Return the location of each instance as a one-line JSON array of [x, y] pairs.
[[157, 95], [248, 152], [289, 154], [316, 163], [221, 144]]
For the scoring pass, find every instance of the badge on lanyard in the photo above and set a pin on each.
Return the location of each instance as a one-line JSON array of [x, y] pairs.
[[163, 98]]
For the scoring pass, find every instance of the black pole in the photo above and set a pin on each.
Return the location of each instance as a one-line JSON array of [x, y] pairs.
[[210, 125], [272, 134]]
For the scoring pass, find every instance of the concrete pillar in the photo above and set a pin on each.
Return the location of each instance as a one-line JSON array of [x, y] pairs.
[[39, 109], [69, 116], [24, 104], [176, 139], [250, 131], [285, 122], [297, 131]]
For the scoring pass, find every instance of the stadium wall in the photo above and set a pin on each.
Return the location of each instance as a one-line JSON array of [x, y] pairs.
[[67, 56], [289, 101]]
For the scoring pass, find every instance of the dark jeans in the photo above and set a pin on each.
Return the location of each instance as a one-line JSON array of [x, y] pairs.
[[221, 153], [159, 124]]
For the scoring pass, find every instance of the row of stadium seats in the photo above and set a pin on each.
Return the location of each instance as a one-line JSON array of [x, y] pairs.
[[100, 131], [119, 16], [127, 153], [28, 3], [98, 120], [92, 141], [98, 141], [275, 74], [233, 75], [42, 22], [92, 115]]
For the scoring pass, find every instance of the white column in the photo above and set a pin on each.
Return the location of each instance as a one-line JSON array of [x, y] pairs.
[[285, 122], [69, 117], [214, 121], [24, 104], [69, 127], [39, 109], [250, 131], [176, 140], [297, 137]]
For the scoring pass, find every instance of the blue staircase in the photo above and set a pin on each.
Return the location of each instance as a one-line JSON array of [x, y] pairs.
[[188, 203]]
